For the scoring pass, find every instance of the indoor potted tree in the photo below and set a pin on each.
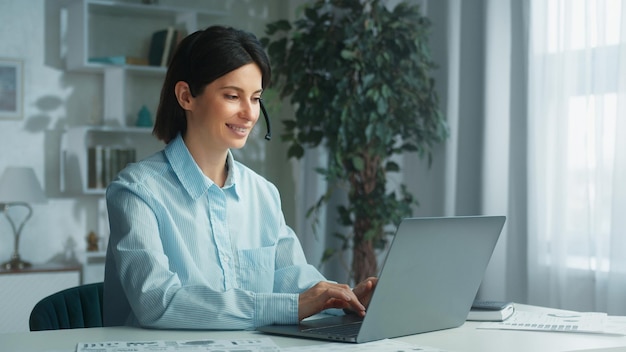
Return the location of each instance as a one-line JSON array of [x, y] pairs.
[[358, 75]]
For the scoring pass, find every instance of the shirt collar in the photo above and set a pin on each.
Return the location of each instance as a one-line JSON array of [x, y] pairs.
[[188, 172]]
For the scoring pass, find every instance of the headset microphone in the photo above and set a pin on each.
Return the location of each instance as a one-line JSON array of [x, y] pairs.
[[268, 135]]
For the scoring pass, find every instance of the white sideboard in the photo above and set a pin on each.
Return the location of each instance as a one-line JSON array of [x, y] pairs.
[[20, 290]]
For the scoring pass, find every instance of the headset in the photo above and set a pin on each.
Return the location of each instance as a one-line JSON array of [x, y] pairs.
[[268, 135]]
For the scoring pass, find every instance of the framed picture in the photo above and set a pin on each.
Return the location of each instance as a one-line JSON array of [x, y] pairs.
[[11, 88]]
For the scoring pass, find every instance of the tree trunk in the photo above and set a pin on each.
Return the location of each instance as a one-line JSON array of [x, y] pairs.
[[364, 263], [364, 184]]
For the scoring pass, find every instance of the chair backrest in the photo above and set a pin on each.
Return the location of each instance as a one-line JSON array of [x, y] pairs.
[[75, 307]]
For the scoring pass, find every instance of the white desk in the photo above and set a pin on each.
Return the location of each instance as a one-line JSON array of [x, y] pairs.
[[463, 339]]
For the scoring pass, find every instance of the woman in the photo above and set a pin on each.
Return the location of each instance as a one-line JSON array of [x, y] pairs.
[[198, 240]]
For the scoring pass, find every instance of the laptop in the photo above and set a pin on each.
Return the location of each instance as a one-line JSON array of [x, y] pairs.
[[428, 282]]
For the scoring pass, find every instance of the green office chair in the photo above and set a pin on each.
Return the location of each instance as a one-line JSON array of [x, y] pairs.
[[75, 307]]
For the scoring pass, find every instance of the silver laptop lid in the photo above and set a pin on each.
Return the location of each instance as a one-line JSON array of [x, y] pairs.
[[431, 275]]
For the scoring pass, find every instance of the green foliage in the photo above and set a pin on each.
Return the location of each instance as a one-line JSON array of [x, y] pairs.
[[359, 77]]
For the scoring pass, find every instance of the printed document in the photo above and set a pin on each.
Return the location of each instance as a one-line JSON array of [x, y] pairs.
[[562, 321], [208, 345]]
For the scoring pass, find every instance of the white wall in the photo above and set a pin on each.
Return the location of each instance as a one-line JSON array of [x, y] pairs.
[[53, 99], [22, 36]]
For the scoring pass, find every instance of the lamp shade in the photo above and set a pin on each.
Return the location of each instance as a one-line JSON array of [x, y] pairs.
[[19, 184]]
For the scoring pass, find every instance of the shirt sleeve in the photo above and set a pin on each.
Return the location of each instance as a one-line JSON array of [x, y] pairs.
[[293, 272], [155, 293]]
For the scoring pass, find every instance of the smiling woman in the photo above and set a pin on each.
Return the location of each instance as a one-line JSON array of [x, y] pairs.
[[223, 114], [198, 240]]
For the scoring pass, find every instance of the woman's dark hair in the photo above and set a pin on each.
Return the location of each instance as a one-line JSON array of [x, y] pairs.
[[199, 59]]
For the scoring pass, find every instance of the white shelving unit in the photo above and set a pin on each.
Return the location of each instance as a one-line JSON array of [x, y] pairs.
[[99, 28], [104, 28]]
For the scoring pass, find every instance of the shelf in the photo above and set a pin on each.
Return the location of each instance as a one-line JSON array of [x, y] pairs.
[[113, 129], [98, 28], [118, 8], [95, 67], [105, 29], [92, 155]]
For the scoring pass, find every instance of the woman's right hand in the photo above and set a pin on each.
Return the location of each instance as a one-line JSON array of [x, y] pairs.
[[326, 295]]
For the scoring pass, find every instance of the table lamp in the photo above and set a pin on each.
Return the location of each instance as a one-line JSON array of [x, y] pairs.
[[18, 188]]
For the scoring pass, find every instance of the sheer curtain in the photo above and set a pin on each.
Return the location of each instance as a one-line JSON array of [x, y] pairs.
[[577, 154]]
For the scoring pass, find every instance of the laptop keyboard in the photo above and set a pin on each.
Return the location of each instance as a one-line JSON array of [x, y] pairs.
[[351, 329]]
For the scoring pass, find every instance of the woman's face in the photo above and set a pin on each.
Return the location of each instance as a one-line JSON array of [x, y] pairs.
[[228, 108]]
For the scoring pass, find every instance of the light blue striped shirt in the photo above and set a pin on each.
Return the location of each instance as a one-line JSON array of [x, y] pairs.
[[186, 254]]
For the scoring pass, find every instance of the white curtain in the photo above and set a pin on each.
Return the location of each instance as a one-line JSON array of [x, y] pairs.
[[577, 155], [536, 88], [480, 48]]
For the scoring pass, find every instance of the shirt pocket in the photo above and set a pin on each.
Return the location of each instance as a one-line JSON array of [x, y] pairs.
[[256, 269]]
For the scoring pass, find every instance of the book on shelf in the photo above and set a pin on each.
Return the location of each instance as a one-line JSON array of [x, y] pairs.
[[491, 310], [105, 162], [162, 45], [120, 60]]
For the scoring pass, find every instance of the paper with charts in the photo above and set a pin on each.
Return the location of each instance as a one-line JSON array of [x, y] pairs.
[[247, 345], [562, 321], [210, 345]]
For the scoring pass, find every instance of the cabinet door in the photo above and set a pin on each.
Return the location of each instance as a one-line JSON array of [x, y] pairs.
[[19, 292], [93, 267]]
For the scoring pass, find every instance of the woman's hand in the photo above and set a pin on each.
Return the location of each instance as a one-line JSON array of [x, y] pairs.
[[326, 295], [365, 289]]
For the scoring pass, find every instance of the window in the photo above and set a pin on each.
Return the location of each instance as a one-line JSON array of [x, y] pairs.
[[576, 122]]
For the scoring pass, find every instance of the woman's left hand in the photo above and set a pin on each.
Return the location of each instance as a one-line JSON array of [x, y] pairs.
[[365, 289]]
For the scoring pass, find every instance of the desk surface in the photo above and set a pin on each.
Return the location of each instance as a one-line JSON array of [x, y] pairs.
[[462, 339]]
